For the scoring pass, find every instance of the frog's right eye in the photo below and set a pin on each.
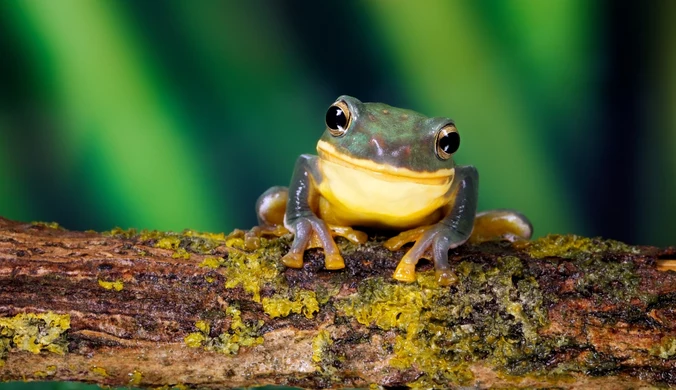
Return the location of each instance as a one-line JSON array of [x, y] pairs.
[[338, 118]]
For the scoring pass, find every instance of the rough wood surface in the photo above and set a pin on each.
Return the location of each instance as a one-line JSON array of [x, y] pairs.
[[568, 312]]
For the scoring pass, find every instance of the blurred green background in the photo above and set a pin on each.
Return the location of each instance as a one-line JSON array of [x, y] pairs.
[[177, 114]]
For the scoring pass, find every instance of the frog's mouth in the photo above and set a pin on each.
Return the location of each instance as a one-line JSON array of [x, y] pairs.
[[328, 152]]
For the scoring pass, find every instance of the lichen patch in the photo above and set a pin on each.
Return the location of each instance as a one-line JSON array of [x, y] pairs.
[[241, 334], [493, 313], [34, 333]]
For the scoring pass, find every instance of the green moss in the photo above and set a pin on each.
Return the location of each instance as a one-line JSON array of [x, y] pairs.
[[34, 333], [572, 246], [240, 334], [116, 285], [303, 301], [666, 349], [494, 316]]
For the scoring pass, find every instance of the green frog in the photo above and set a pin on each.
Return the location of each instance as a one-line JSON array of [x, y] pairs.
[[386, 168]]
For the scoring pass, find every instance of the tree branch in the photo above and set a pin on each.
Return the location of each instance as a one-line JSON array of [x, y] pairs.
[[200, 310]]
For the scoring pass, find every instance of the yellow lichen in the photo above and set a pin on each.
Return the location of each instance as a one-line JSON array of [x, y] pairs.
[[203, 326], [320, 344], [49, 371], [212, 262], [304, 302], [235, 242], [99, 371], [406, 307], [116, 285], [493, 312], [239, 335], [50, 225], [249, 271], [570, 246], [194, 340], [135, 378], [181, 253], [209, 279], [666, 349], [34, 333], [168, 242], [219, 237]]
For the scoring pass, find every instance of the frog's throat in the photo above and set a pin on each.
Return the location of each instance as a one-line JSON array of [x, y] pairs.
[[388, 172]]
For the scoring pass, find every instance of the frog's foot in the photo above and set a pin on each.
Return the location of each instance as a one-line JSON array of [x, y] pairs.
[[435, 240], [312, 232], [252, 237], [501, 224]]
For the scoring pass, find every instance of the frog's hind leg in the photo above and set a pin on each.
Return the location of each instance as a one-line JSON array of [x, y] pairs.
[[271, 205], [270, 208], [501, 224]]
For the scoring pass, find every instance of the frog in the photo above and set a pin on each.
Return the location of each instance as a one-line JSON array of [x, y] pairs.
[[389, 169]]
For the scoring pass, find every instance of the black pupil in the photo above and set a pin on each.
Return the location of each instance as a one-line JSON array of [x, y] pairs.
[[449, 143], [335, 118]]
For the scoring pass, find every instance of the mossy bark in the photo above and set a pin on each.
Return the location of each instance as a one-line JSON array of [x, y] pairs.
[[152, 309]]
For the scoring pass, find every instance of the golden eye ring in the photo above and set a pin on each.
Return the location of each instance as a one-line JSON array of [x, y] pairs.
[[447, 141], [338, 118]]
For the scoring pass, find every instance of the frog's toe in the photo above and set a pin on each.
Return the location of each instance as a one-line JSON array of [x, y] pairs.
[[334, 261], [403, 238], [252, 237], [445, 277], [311, 232], [356, 236], [405, 272], [501, 224], [293, 260], [431, 242]]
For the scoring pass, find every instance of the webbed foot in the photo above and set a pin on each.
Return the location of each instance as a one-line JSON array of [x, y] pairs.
[[252, 237], [434, 240], [312, 232]]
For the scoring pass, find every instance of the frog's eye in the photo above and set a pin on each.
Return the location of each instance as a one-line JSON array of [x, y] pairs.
[[447, 142], [338, 118]]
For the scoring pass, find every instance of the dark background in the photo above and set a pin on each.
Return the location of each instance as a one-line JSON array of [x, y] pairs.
[[177, 114]]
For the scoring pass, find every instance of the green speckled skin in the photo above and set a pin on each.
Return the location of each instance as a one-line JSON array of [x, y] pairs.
[[392, 136]]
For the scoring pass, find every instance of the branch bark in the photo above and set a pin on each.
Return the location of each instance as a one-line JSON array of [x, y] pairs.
[[201, 310]]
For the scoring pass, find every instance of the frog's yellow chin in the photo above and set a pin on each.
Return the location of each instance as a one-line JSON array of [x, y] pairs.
[[354, 194], [329, 153]]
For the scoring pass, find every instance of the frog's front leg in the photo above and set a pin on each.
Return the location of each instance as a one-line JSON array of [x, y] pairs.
[[452, 231], [301, 219]]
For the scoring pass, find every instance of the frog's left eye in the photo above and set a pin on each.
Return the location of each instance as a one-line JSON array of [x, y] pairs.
[[338, 118], [447, 142]]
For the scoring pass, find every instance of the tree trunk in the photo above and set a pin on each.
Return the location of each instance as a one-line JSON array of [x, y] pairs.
[[201, 310]]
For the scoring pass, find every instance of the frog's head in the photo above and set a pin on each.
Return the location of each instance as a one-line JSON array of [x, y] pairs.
[[399, 143]]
